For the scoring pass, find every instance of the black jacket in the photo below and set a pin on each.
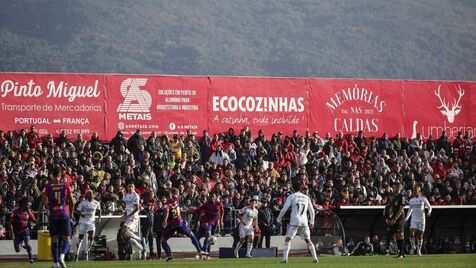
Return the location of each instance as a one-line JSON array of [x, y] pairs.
[[158, 220], [147, 222], [265, 217]]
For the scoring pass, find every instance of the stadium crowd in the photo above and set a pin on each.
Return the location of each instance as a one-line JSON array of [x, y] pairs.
[[335, 171]]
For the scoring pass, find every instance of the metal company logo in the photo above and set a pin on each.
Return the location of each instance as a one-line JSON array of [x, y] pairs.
[[455, 108], [137, 102], [135, 99]]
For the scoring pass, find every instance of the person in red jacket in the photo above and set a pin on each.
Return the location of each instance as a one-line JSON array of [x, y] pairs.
[[439, 170], [342, 142], [33, 137]]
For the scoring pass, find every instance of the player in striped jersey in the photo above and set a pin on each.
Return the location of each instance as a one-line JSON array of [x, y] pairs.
[[59, 198], [211, 218], [173, 223], [21, 220]]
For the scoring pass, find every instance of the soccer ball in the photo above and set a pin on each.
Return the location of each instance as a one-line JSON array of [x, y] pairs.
[[212, 240]]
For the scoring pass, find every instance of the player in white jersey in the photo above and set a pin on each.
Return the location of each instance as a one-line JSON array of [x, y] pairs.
[[131, 219], [416, 210], [300, 223], [87, 211], [248, 218]]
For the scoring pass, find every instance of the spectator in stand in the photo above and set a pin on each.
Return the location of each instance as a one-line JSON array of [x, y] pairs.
[[384, 143], [330, 148], [443, 143], [176, 147], [33, 137], [340, 141], [219, 156], [134, 142], [118, 141], [191, 151], [205, 146], [350, 171], [96, 145]]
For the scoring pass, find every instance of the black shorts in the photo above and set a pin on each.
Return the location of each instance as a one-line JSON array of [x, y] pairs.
[[399, 226]]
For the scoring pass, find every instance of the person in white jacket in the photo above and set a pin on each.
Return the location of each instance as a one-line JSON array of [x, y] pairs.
[[219, 156]]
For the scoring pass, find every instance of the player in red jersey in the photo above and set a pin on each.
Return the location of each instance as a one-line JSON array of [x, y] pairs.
[[59, 198], [211, 217], [173, 222], [21, 220]]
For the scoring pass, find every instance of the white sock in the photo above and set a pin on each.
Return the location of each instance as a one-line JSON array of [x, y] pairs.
[[130, 234], [286, 249], [249, 247], [312, 249], [420, 244], [136, 245], [79, 246], [238, 246], [412, 243], [89, 244], [62, 257]]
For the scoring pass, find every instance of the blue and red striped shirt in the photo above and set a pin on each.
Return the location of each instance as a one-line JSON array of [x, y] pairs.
[[210, 213], [57, 193], [21, 220]]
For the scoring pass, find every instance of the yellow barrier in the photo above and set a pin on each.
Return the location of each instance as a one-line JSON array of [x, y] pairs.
[[44, 245]]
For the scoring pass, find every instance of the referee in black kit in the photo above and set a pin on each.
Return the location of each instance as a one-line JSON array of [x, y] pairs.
[[396, 218]]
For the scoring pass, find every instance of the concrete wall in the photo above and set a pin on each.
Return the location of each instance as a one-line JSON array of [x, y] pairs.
[[176, 244]]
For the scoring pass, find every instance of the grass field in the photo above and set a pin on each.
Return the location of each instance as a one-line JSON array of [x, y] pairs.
[[433, 261]]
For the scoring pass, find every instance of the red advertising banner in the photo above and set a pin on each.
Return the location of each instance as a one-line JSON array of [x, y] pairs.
[[165, 104], [87, 103], [348, 106], [432, 107], [53, 102], [269, 104]]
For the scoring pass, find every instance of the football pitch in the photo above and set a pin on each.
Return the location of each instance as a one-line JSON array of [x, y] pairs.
[[433, 261]]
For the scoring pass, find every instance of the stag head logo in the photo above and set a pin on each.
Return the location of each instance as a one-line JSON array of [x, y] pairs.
[[455, 108]]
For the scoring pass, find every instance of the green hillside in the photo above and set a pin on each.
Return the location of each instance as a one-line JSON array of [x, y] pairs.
[[411, 39]]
